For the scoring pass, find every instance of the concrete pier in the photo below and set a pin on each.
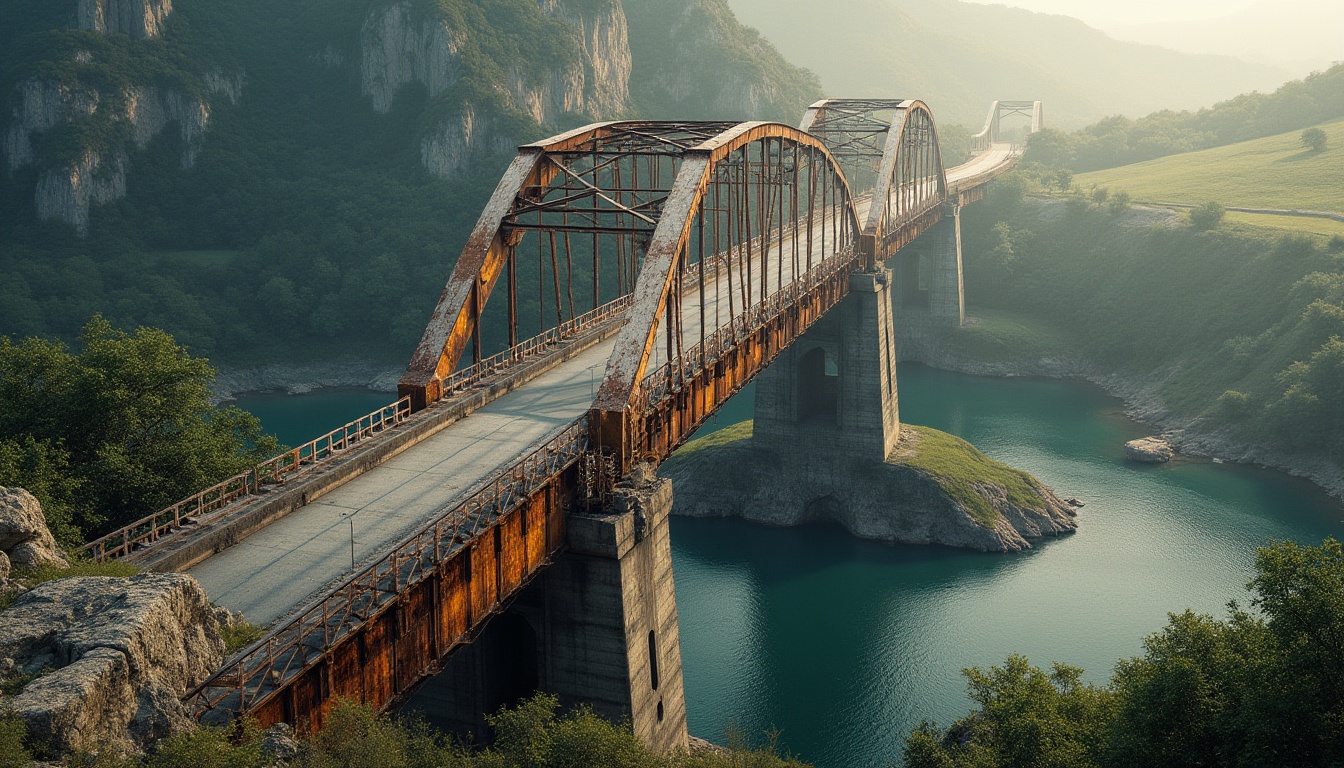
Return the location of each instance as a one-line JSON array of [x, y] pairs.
[[929, 285], [833, 393], [598, 627]]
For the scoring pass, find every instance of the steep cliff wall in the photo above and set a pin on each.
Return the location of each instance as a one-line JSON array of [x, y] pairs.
[[78, 121], [135, 18], [579, 64], [693, 59]]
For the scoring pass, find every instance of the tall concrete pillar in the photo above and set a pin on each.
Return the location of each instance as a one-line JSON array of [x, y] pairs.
[[597, 627], [929, 274], [613, 641], [833, 392]]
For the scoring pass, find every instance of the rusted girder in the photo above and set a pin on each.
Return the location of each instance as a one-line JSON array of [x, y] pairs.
[[756, 202], [606, 179]]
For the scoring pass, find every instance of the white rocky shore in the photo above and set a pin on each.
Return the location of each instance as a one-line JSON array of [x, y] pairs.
[[1187, 435], [302, 378]]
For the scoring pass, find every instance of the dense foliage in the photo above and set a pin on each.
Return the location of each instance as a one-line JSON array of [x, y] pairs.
[[1252, 690], [535, 734], [116, 429], [1120, 140], [1242, 326]]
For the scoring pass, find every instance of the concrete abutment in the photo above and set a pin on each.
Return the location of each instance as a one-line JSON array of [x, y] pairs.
[[929, 282], [596, 627]]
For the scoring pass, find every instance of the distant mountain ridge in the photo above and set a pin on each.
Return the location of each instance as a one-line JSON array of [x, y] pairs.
[[960, 56]]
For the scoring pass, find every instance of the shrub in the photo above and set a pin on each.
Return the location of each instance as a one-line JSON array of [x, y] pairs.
[[1207, 216]]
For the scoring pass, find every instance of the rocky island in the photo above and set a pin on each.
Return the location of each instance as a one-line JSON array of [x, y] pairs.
[[934, 488]]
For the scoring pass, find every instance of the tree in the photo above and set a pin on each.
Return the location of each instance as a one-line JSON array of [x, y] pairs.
[[1119, 203], [1255, 690], [118, 429], [1314, 139], [1207, 216]]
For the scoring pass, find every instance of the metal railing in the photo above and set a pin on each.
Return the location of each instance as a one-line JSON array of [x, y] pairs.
[[662, 381], [262, 669], [150, 529], [533, 347], [147, 530]]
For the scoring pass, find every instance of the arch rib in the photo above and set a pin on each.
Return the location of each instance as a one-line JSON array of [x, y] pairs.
[[455, 322], [902, 204], [618, 401]]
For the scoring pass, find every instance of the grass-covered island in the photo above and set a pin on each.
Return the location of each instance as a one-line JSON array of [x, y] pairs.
[[934, 488]]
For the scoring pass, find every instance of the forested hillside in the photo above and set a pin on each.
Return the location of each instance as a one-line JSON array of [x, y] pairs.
[[960, 56], [1118, 140], [1242, 327], [294, 180]]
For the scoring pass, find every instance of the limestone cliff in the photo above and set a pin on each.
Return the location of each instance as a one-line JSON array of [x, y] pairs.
[[93, 97], [582, 67], [694, 59], [933, 489], [134, 18]]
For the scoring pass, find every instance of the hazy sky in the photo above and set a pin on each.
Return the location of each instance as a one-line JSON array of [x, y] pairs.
[[1106, 12]]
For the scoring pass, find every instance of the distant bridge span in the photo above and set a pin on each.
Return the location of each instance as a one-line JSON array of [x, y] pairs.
[[655, 268]]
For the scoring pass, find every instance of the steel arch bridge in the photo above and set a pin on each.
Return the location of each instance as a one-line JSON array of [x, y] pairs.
[[720, 242], [695, 251]]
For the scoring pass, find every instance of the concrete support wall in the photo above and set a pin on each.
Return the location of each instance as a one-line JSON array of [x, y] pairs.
[[602, 624], [929, 274], [858, 339]]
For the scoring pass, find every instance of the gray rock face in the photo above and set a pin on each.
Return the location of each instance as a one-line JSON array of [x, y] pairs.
[[278, 743], [399, 46], [139, 19], [872, 500], [121, 652], [4, 568], [24, 535], [1149, 450]]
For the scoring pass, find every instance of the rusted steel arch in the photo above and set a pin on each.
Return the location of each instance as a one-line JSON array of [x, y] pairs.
[[992, 132], [855, 131], [456, 320], [911, 185], [657, 295]]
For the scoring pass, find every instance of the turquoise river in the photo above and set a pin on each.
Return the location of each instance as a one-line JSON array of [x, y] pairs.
[[842, 646]]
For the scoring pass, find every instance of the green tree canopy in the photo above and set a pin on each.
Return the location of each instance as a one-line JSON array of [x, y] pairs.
[[1314, 139], [1256, 690], [117, 429], [1207, 216]]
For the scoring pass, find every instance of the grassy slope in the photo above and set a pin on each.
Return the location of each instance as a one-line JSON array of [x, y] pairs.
[[1274, 172], [953, 463]]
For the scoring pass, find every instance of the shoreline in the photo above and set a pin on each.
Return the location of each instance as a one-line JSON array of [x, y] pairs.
[[302, 378], [1142, 404]]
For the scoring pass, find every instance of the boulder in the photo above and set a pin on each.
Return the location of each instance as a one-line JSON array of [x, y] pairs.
[[4, 568], [1149, 450], [113, 658], [24, 535], [279, 743]]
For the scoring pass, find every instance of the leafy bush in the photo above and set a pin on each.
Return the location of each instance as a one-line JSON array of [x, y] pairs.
[[116, 430], [13, 752], [1207, 216]]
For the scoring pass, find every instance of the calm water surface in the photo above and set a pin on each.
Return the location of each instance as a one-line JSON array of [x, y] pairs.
[[845, 645]]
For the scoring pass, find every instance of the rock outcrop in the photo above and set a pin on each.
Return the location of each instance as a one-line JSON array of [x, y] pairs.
[[25, 540], [1149, 450], [400, 45], [68, 191], [728, 474], [113, 657], [135, 18]]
